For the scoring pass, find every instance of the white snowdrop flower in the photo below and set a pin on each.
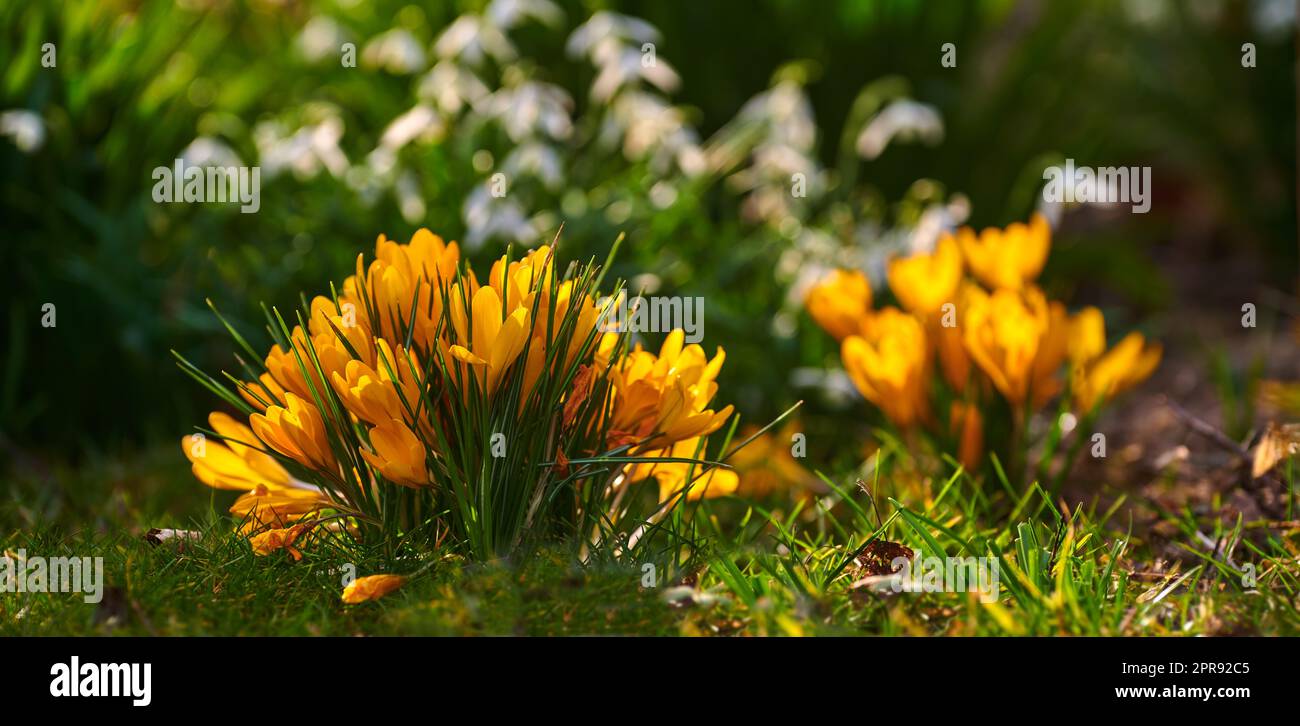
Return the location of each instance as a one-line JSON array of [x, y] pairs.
[[409, 199], [209, 151], [905, 120], [537, 160], [396, 51], [321, 38], [509, 13], [452, 87], [472, 39], [786, 111], [24, 128], [624, 68], [304, 152], [1274, 18], [532, 107], [605, 25], [381, 162], [422, 121], [487, 217], [936, 220], [651, 127]]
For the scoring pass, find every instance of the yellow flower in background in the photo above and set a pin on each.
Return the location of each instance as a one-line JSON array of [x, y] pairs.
[[767, 464], [298, 432], [1003, 332], [945, 334], [1053, 349], [1130, 362], [967, 425], [399, 454], [923, 283], [1087, 335], [672, 477], [889, 364], [1007, 258], [371, 587], [839, 302], [662, 399]]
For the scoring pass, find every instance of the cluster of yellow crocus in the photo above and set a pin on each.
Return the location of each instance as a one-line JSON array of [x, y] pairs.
[[660, 406], [364, 364], [973, 303]]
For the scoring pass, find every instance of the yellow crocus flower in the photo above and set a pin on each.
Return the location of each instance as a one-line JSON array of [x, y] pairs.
[[923, 283], [1003, 332], [1130, 362], [889, 365], [662, 399], [233, 463], [493, 344], [399, 454], [840, 302], [265, 507], [1007, 258], [672, 476], [297, 431], [1087, 335], [376, 396], [1052, 352], [263, 392]]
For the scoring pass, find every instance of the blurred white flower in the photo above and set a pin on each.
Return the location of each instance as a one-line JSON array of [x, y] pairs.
[[422, 121], [321, 38], [786, 111], [936, 220], [509, 13], [409, 199], [651, 128], [537, 160], [452, 87], [488, 217], [304, 151], [472, 38], [605, 29], [209, 151], [396, 51], [1274, 18], [531, 107], [905, 120], [624, 66], [24, 128]]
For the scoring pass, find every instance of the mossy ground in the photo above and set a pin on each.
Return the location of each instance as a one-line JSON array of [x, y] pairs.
[[757, 574]]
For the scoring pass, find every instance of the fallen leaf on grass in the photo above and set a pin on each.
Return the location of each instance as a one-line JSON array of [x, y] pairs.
[[371, 587], [177, 537], [1277, 443]]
